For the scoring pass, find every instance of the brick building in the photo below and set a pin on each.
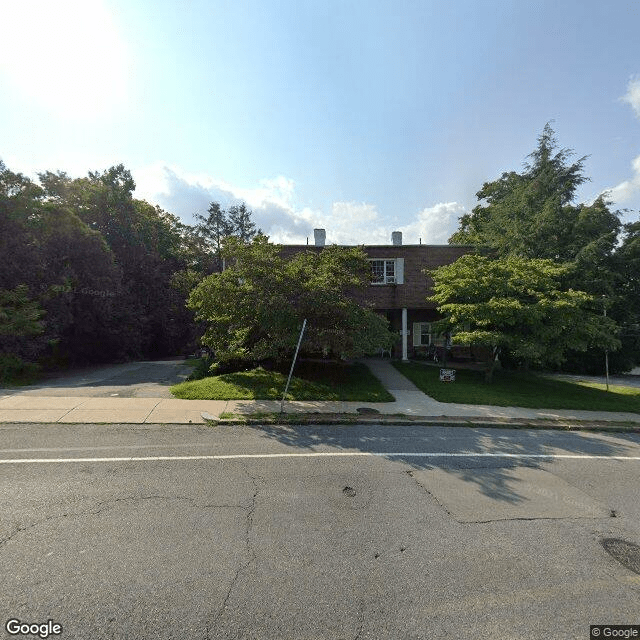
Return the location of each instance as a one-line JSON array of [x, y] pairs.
[[399, 288]]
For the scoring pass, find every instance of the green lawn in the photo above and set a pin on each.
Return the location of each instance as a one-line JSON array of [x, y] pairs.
[[311, 381], [515, 389]]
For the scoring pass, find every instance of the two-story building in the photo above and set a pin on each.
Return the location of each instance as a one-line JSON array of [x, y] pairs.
[[399, 287]]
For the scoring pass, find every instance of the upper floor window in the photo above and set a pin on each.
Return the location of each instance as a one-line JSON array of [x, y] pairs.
[[383, 271]]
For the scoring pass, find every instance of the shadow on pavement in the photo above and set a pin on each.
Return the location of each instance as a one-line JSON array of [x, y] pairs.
[[494, 477]]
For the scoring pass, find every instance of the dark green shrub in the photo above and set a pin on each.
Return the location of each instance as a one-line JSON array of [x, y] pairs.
[[14, 370]]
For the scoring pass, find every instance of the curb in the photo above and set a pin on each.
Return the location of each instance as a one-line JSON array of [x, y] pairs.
[[351, 419]]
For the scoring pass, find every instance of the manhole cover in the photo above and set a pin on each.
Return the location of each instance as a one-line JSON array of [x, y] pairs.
[[626, 553], [367, 410]]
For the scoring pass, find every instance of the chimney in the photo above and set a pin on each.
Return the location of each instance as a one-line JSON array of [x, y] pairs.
[[319, 236], [396, 238]]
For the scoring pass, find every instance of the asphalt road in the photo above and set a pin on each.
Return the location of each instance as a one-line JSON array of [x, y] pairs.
[[120, 531]]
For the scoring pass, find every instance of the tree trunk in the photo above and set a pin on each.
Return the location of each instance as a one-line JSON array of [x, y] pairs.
[[491, 365]]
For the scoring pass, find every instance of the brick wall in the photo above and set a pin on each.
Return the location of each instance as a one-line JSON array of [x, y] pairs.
[[413, 293]]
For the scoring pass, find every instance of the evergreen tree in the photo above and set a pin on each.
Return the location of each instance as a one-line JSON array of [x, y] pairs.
[[240, 222], [221, 223]]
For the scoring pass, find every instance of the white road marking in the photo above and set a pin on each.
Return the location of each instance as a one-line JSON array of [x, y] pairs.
[[327, 454], [178, 445]]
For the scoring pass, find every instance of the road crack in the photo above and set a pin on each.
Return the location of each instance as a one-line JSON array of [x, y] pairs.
[[250, 554], [360, 626], [105, 505], [421, 486]]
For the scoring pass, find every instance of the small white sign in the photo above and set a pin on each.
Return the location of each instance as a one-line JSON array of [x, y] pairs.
[[447, 375]]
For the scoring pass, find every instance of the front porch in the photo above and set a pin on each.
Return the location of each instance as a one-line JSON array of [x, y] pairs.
[[417, 341]]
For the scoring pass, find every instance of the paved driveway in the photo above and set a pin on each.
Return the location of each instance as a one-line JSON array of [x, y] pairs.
[[624, 380], [130, 380]]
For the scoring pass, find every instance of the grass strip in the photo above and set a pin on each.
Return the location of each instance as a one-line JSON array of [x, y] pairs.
[[312, 381], [517, 389]]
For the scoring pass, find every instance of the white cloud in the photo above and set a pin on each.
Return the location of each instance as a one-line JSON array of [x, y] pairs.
[[187, 194], [273, 202], [624, 191], [434, 224], [633, 95], [350, 223]]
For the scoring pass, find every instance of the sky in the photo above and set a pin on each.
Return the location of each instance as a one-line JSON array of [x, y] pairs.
[[360, 117]]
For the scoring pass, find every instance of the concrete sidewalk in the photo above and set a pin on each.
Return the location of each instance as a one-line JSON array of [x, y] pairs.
[[409, 401]]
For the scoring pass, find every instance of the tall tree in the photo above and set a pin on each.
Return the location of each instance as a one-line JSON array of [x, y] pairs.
[[220, 224], [19, 202], [67, 268], [110, 271], [214, 228], [531, 214], [625, 305], [149, 247], [84, 286], [241, 224]]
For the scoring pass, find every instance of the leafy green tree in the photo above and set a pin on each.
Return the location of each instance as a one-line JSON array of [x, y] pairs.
[[23, 275], [19, 249], [83, 291], [99, 316], [624, 306], [101, 263], [533, 214], [66, 267], [517, 305], [254, 309], [150, 246]]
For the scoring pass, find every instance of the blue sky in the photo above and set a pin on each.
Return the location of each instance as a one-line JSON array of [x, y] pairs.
[[359, 117]]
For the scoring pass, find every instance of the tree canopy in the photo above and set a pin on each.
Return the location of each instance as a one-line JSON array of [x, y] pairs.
[[220, 224], [102, 275], [518, 305], [533, 214], [19, 316], [254, 309]]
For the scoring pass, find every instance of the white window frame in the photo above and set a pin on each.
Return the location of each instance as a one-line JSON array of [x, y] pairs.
[[392, 270], [419, 333], [421, 329]]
